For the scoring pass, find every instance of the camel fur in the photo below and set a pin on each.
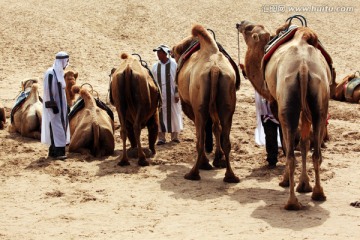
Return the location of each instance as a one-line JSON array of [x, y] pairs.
[[206, 84], [91, 128], [136, 98], [27, 118], [297, 79]]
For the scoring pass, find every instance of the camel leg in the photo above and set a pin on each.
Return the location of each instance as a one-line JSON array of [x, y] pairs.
[[153, 129], [79, 140], [318, 193], [304, 185], [130, 134], [230, 177], [137, 131], [200, 138], [218, 162], [285, 178], [107, 142], [123, 132]]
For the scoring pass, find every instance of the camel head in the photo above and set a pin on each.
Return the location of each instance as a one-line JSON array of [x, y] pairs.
[[254, 35], [70, 78]]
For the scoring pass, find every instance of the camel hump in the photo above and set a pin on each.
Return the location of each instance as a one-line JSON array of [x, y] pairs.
[[124, 56], [84, 93], [200, 31], [308, 36]]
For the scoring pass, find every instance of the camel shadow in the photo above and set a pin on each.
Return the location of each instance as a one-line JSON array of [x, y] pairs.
[[273, 211]]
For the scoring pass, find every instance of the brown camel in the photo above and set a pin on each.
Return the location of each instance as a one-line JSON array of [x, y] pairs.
[[297, 77], [136, 97], [348, 89], [2, 116], [91, 127], [70, 77], [207, 86], [26, 116]]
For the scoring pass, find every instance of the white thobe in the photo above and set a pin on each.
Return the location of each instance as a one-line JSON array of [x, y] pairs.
[[176, 112]]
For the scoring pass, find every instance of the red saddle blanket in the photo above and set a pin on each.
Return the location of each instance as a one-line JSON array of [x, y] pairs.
[[284, 37]]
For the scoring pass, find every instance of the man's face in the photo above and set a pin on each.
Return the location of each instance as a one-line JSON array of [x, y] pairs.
[[162, 56]]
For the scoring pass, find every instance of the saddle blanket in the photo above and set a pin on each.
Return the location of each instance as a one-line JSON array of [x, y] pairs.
[[80, 104], [350, 87]]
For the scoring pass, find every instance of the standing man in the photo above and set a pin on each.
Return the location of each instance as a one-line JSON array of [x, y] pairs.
[[270, 126], [170, 117], [54, 129]]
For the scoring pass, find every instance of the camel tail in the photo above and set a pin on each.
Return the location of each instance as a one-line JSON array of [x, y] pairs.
[[214, 79], [96, 136], [304, 78], [127, 82]]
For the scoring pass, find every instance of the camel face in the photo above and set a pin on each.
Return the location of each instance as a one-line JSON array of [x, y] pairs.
[[70, 80], [206, 83], [91, 128], [297, 76], [2, 116], [135, 96], [26, 117]]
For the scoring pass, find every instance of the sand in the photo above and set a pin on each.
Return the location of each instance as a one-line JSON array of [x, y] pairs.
[[92, 198]]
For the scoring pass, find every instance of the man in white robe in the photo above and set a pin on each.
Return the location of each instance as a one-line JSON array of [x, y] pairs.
[[170, 115], [268, 131], [55, 130]]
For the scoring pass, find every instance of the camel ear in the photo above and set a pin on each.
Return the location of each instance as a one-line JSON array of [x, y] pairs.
[[255, 36], [76, 75]]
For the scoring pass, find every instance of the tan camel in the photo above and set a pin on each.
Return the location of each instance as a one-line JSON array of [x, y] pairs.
[[298, 78], [26, 117], [136, 97], [91, 127], [2, 116], [70, 77], [206, 84], [353, 94]]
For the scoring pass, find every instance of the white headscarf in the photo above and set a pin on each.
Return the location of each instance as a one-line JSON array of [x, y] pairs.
[[60, 63]]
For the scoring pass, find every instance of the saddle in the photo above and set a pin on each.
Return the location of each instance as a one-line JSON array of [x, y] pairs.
[[80, 104], [286, 35], [19, 102], [195, 46], [350, 87]]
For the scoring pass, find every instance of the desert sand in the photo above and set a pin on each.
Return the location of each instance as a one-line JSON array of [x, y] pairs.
[[92, 198]]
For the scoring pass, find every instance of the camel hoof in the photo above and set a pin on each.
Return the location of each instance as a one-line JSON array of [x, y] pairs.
[[192, 176], [304, 188], [320, 196], [143, 162], [123, 163], [293, 206], [206, 166], [231, 179], [284, 183], [219, 163]]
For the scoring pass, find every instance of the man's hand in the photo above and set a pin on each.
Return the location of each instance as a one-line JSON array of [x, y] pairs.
[[177, 99]]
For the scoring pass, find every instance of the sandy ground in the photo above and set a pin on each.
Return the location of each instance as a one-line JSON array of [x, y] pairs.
[[91, 198]]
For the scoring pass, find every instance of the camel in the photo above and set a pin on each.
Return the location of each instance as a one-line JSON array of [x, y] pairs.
[[136, 97], [297, 78], [2, 116], [207, 86], [91, 127], [344, 91], [26, 115], [70, 77]]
